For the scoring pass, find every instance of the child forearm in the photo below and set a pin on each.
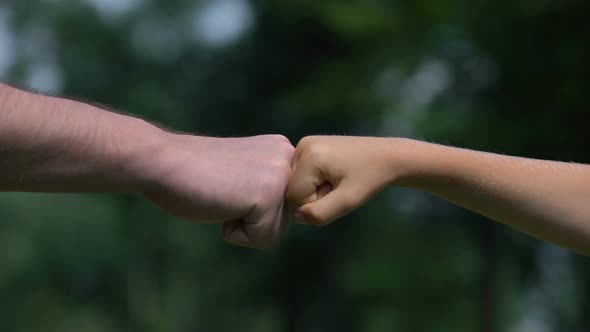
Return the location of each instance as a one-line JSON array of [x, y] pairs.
[[546, 199], [549, 200]]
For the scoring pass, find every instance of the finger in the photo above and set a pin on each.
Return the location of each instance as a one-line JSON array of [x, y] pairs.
[[332, 206], [321, 191], [324, 189], [235, 233], [303, 184]]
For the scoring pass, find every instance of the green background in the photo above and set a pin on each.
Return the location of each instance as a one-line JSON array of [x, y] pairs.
[[504, 76]]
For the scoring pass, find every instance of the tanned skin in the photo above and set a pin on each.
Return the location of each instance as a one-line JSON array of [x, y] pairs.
[[333, 175]]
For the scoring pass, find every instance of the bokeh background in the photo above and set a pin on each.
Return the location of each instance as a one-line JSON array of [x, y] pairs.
[[505, 76]]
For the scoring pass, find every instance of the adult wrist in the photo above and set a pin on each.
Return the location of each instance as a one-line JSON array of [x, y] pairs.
[[144, 151]]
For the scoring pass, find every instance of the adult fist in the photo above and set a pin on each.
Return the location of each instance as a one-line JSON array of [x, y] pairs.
[[239, 182], [332, 175]]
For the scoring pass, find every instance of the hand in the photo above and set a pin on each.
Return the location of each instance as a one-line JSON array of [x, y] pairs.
[[333, 175], [239, 182]]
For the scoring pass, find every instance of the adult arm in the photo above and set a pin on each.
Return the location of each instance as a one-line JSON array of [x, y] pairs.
[[50, 144]]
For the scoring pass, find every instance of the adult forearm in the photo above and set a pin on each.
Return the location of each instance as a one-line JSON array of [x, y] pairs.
[[546, 199], [57, 145]]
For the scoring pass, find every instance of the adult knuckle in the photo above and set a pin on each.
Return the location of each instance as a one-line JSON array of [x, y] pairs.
[[281, 138], [278, 168], [281, 146], [284, 168], [289, 149], [272, 187], [272, 183]]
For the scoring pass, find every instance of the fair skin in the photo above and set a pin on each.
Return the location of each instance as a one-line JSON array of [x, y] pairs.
[[333, 175], [51, 144]]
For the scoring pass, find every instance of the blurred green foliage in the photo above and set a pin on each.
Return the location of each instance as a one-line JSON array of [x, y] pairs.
[[504, 76]]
